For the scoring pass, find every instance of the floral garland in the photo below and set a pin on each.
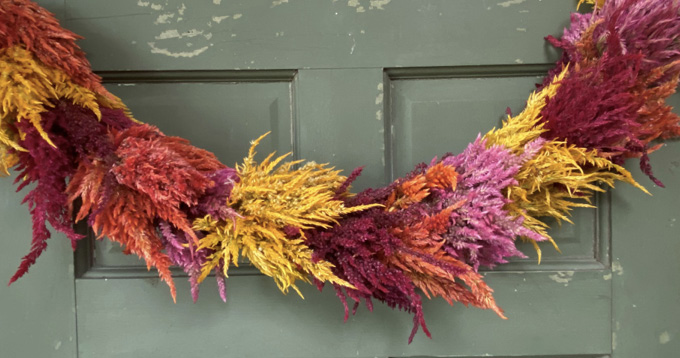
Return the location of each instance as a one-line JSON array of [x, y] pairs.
[[427, 233]]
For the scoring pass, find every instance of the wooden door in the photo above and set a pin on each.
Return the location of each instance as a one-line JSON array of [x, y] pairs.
[[380, 83]]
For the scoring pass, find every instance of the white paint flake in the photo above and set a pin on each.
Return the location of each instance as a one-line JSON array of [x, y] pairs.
[[613, 341], [57, 345], [519, 60], [379, 115], [164, 18], [563, 277], [219, 19], [665, 337], [521, 29], [510, 3], [181, 9], [141, 3], [607, 277], [157, 7], [178, 54], [378, 4], [174, 34], [276, 3], [237, 16], [617, 268], [217, 2], [168, 34]]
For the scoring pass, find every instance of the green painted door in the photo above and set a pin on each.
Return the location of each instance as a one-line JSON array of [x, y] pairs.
[[381, 83]]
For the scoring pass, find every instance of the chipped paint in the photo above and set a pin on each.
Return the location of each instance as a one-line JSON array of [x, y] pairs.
[[378, 4], [510, 3], [178, 54], [143, 3], [219, 19], [57, 345], [237, 16], [157, 7], [613, 341], [521, 29], [617, 268], [276, 3], [607, 277], [519, 60], [164, 18], [379, 115], [174, 34], [665, 337], [217, 2], [181, 9], [168, 34], [563, 277]]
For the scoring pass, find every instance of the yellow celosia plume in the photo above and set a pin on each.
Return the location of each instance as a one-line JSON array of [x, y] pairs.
[[269, 201], [559, 177], [28, 88]]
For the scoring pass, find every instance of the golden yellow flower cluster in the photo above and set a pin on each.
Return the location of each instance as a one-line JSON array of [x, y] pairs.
[[271, 201], [28, 88]]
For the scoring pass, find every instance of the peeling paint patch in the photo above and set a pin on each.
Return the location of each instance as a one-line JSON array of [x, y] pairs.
[[665, 337], [378, 4], [217, 2], [613, 341], [519, 60], [607, 277], [164, 18], [143, 3], [237, 16], [276, 3], [563, 277], [617, 268], [381, 94], [521, 29], [57, 345], [181, 9], [379, 115], [168, 34], [174, 34], [510, 3], [166, 52], [157, 7], [219, 19]]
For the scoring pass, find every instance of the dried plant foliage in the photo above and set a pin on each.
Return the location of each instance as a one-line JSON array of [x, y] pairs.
[[273, 205]]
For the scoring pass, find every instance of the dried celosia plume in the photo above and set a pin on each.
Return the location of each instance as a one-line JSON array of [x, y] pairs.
[[424, 235]]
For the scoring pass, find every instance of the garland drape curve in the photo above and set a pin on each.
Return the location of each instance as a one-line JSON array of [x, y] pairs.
[[427, 233]]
